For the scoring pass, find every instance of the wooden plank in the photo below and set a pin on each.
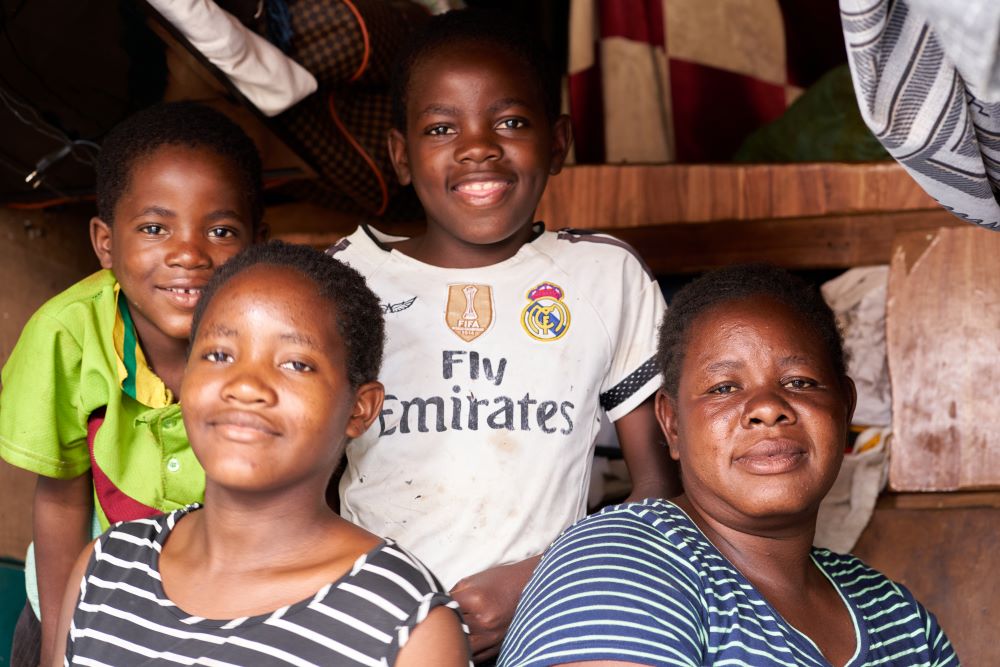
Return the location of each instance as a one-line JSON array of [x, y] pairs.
[[942, 323], [946, 558], [43, 253], [617, 196], [802, 243], [794, 243], [937, 501]]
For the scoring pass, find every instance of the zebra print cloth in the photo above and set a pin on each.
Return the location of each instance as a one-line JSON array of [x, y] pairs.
[[925, 74], [124, 617]]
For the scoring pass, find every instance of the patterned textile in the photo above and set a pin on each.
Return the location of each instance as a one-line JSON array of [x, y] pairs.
[[349, 47], [124, 616], [675, 80], [943, 128]]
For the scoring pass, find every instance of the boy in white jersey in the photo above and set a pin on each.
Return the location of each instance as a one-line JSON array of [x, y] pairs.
[[504, 342]]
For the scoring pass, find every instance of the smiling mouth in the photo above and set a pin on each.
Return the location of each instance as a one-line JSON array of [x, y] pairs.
[[243, 428], [772, 457], [483, 193], [183, 296]]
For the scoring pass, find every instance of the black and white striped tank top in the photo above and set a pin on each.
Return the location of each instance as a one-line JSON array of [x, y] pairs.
[[123, 616]]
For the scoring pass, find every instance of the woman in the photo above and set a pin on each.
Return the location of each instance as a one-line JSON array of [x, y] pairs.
[[755, 406]]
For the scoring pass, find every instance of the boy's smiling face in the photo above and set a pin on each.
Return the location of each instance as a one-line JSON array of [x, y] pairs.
[[183, 214], [478, 147]]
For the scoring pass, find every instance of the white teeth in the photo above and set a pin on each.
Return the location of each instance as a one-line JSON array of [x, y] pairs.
[[183, 290], [481, 186]]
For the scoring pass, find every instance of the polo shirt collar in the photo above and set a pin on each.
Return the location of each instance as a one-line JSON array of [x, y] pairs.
[[137, 379]]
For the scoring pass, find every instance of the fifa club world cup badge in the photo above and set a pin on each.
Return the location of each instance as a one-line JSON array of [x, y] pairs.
[[546, 317], [469, 312]]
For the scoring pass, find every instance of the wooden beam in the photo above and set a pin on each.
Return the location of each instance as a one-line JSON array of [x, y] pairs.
[[617, 196], [796, 243], [940, 501]]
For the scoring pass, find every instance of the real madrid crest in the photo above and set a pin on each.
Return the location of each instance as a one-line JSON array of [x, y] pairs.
[[469, 312], [546, 317]]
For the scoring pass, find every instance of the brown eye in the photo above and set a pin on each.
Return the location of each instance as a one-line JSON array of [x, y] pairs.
[[439, 130], [512, 124], [297, 366]]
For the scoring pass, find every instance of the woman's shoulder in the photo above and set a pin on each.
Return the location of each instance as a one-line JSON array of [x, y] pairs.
[[654, 532], [393, 571], [862, 585], [637, 519], [155, 528]]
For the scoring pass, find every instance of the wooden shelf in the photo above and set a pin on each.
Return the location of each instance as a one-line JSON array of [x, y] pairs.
[[620, 196], [688, 218]]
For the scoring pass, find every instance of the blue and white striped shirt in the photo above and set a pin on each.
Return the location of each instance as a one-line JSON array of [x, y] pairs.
[[641, 583]]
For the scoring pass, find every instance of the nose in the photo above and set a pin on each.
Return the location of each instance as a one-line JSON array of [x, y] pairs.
[[189, 251], [478, 146], [246, 385], [767, 407]]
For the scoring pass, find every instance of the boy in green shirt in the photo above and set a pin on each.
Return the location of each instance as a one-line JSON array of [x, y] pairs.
[[90, 389]]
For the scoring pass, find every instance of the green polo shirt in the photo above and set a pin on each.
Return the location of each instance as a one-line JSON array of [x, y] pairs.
[[77, 354]]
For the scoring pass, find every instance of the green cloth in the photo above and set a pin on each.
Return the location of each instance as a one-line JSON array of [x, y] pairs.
[[63, 368], [822, 125]]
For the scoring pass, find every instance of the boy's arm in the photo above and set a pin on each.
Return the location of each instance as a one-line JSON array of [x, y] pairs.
[[63, 509], [488, 600], [68, 607], [654, 474]]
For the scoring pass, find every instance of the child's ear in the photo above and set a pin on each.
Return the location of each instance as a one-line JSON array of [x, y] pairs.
[[263, 232], [562, 140], [100, 238], [852, 397], [397, 153], [666, 415], [367, 406]]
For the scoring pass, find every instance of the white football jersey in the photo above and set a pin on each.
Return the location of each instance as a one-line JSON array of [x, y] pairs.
[[495, 379]]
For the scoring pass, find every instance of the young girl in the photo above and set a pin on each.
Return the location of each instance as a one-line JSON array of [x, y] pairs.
[[755, 405], [286, 346]]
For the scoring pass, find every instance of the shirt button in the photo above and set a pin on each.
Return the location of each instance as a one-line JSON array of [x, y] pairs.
[[173, 465], [170, 423]]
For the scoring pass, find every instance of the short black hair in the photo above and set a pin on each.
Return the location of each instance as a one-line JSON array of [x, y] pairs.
[[477, 26], [357, 310], [740, 282], [179, 124]]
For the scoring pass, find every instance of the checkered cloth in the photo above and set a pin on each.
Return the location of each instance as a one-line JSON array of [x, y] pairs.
[[349, 46], [686, 80], [927, 77]]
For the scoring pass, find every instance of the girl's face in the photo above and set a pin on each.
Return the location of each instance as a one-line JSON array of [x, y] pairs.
[[267, 403], [760, 420]]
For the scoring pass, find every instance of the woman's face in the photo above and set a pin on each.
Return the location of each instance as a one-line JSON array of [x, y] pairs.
[[760, 420]]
